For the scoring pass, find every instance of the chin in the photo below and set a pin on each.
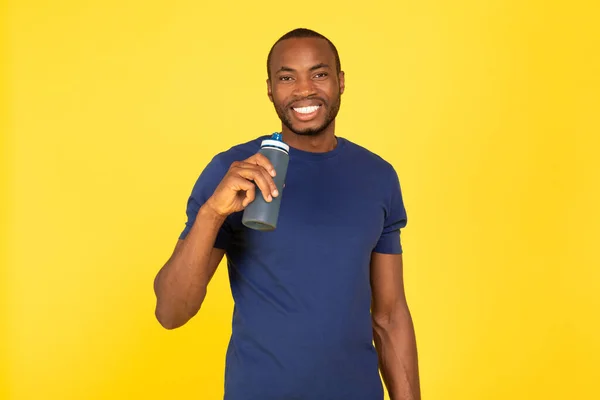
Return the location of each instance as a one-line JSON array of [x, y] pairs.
[[311, 130], [308, 131]]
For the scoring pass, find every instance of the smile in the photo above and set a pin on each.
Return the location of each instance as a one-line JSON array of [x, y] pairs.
[[306, 110]]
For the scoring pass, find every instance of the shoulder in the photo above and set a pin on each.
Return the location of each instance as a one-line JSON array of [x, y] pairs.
[[220, 162], [365, 158], [238, 152], [212, 173]]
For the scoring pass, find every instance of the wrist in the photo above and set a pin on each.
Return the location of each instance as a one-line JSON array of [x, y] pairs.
[[208, 212]]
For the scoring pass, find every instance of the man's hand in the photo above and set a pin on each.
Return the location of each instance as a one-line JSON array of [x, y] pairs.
[[237, 188]]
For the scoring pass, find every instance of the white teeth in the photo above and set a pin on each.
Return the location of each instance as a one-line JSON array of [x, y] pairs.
[[306, 110]]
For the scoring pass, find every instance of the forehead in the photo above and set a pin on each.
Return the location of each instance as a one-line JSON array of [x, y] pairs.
[[302, 53]]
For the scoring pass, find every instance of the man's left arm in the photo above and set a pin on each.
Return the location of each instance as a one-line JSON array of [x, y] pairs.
[[393, 329]]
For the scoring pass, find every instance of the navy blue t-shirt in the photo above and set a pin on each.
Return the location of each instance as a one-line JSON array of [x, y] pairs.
[[301, 324]]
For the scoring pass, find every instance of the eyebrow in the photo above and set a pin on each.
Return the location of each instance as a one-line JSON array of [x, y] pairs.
[[314, 67]]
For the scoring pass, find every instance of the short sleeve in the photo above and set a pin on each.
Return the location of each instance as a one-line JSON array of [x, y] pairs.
[[204, 187], [395, 219]]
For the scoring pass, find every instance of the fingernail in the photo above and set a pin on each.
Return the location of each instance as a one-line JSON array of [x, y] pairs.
[[269, 198], [273, 172], [275, 193]]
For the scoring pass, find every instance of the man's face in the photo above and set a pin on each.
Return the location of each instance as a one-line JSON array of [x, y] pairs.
[[304, 86]]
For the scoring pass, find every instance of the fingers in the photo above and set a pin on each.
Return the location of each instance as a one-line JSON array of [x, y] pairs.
[[240, 184], [260, 159], [259, 178], [245, 189], [271, 188], [256, 173], [250, 195]]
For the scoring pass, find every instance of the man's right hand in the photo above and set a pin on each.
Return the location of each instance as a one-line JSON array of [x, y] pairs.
[[236, 190]]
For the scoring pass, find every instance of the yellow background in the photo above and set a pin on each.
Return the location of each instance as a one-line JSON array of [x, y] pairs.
[[489, 110]]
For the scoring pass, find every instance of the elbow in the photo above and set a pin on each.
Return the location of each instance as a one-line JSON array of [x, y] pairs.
[[174, 308], [166, 321], [381, 324], [169, 319]]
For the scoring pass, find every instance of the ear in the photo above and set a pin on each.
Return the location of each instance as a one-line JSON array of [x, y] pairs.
[[269, 90], [341, 78]]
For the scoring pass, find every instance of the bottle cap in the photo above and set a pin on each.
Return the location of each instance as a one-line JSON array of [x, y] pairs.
[[275, 142]]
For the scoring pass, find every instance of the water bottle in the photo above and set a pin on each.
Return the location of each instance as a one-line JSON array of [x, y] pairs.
[[260, 214]]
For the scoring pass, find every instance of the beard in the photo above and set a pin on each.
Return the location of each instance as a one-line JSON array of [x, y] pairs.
[[283, 112]]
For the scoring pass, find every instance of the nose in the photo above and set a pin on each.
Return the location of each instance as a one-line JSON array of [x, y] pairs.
[[304, 87]]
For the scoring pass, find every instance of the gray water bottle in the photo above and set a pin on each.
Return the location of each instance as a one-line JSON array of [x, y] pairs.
[[260, 214]]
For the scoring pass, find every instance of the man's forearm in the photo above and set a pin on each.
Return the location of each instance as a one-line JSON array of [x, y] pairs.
[[395, 342], [180, 285]]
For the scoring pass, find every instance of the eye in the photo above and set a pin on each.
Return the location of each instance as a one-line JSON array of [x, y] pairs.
[[321, 75], [285, 78]]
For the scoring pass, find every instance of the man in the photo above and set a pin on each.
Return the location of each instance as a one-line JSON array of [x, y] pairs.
[[312, 295]]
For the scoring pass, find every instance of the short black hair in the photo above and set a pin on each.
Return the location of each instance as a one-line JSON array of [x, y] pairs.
[[304, 33]]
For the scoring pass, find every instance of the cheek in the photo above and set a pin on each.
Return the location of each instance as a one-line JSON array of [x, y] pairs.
[[280, 98], [328, 89]]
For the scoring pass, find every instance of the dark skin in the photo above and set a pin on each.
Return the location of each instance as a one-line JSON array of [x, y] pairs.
[[303, 73], [305, 89]]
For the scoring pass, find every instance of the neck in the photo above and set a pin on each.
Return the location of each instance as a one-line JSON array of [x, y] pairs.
[[320, 143]]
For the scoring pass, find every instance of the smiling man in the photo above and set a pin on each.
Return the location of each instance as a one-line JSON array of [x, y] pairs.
[[320, 307]]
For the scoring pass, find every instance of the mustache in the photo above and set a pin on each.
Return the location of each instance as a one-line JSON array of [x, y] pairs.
[[322, 100]]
